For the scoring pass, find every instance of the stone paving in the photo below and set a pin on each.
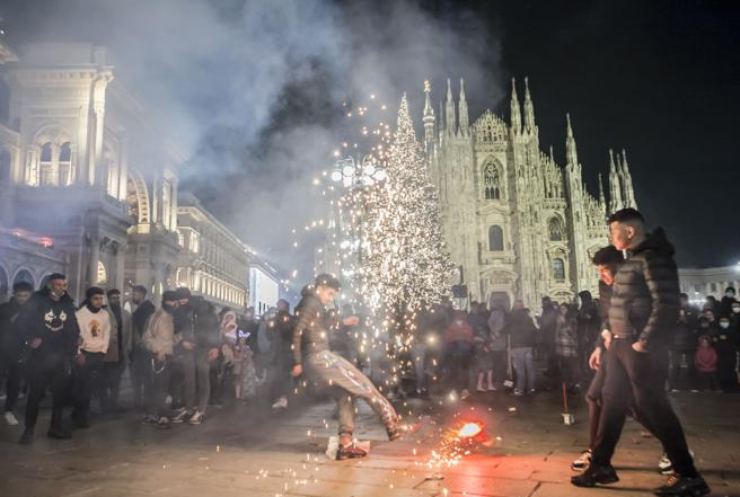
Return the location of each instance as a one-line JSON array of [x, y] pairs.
[[242, 451]]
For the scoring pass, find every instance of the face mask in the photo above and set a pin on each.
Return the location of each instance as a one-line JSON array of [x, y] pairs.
[[724, 325], [736, 310], [730, 295]]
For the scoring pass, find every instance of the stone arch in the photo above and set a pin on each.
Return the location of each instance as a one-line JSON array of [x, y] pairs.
[[24, 274], [137, 197]]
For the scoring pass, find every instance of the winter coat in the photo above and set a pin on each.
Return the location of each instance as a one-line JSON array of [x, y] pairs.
[[312, 330], [685, 334], [459, 332], [646, 296], [566, 339], [706, 360], [589, 322], [548, 323], [119, 350], [206, 327], [522, 330], [54, 322], [497, 325], [159, 337], [139, 318]]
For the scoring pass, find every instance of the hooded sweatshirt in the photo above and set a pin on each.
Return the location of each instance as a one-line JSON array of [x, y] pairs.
[[311, 333], [645, 299], [95, 327], [54, 322]]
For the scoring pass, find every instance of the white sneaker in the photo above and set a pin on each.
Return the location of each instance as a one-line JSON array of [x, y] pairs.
[[665, 466], [180, 416], [196, 418], [492, 388], [11, 419], [280, 403], [465, 394], [582, 462], [518, 393], [480, 389]]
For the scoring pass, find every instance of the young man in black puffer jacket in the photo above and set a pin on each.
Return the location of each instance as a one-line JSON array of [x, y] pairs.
[[644, 310]]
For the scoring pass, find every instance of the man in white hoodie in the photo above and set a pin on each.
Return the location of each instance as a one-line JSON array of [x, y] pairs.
[[95, 329]]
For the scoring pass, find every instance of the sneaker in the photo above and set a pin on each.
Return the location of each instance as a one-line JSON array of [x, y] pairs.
[[196, 418], [58, 433], [11, 419], [492, 388], [481, 389], [280, 403], [582, 462], [532, 391], [349, 452], [150, 419], [26, 438], [683, 486], [465, 394], [180, 416], [518, 393], [665, 467], [595, 475], [164, 423]]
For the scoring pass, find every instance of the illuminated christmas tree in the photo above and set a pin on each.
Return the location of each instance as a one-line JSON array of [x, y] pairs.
[[404, 261]]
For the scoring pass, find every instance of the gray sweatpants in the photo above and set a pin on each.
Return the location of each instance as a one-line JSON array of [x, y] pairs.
[[328, 369], [196, 377]]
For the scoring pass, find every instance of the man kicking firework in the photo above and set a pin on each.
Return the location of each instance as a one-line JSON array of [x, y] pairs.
[[327, 369]]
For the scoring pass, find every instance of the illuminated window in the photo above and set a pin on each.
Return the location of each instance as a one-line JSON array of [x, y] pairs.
[[102, 276], [46, 168]]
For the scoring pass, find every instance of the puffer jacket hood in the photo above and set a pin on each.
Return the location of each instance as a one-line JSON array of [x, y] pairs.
[[586, 297], [656, 241]]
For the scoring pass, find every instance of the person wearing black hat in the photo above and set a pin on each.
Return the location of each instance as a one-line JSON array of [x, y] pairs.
[[87, 375], [159, 341], [330, 370], [51, 330]]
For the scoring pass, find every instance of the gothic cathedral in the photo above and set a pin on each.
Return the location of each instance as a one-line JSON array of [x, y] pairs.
[[517, 224]]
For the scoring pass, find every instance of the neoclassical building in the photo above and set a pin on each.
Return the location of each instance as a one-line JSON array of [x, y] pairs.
[[517, 224], [88, 185]]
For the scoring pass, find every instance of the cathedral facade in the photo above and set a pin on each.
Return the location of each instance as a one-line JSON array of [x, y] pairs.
[[517, 224]]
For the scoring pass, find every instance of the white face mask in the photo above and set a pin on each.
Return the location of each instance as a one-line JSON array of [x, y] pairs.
[[736, 310], [724, 325]]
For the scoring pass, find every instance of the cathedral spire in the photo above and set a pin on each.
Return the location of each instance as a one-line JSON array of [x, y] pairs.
[[528, 108], [571, 154], [616, 201], [450, 118], [428, 118], [628, 187], [552, 155], [516, 113], [462, 113], [602, 198]]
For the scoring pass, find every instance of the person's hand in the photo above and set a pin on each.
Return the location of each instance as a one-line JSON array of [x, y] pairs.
[[80, 359], [188, 345], [595, 360], [351, 321], [35, 343], [212, 355], [607, 342], [297, 370], [639, 346]]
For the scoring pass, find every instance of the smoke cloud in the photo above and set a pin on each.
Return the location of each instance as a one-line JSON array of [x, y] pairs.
[[253, 90]]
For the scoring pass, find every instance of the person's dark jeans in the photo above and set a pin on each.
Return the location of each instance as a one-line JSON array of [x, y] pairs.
[[140, 374], [158, 387], [87, 380], [458, 363], [639, 376], [112, 372], [279, 374], [500, 366], [54, 374], [13, 375]]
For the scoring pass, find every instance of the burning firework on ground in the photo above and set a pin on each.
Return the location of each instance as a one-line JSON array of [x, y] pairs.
[[457, 441]]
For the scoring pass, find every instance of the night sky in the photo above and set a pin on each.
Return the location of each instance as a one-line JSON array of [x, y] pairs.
[[659, 78]]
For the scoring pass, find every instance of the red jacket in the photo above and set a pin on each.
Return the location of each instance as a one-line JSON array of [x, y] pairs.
[[459, 333], [706, 359]]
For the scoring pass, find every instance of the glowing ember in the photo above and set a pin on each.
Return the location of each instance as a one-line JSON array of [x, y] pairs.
[[469, 430]]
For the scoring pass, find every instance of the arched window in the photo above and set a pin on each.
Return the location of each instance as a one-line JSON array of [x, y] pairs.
[[46, 168], [491, 181], [65, 164], [558, 269], [24, 275], [555, 229], [495, 238], [3, 285], [102, 276], [4, 166]]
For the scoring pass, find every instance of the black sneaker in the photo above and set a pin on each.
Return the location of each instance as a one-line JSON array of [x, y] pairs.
[[349, 452], [393, 433], [59, 433], [594, 475], [26, 438], [683, 486]]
